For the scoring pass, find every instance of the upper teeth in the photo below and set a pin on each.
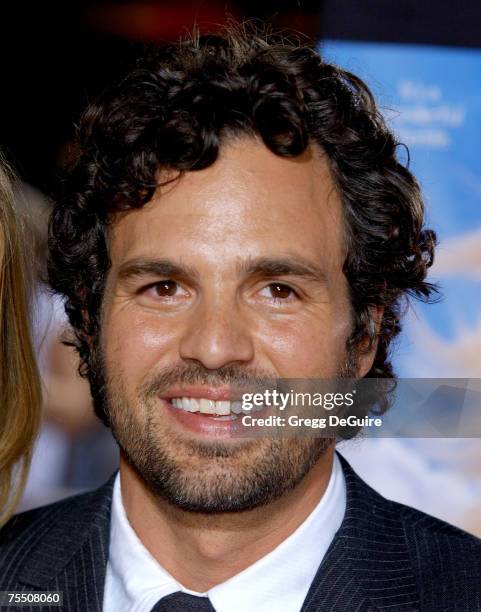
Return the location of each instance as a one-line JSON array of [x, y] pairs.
[[207, 406]]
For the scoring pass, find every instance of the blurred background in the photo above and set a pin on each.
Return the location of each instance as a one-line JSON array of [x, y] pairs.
[[423, 62]]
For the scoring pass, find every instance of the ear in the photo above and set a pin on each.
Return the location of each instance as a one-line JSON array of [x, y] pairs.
[[366, 355]]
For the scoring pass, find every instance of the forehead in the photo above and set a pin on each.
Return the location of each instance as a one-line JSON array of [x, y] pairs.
[[249, 203]]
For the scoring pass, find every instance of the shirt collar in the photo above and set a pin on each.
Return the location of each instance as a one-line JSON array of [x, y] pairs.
[[136, 581]]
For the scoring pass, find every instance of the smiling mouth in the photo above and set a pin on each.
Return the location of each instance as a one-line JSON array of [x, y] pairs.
[[219, 410]]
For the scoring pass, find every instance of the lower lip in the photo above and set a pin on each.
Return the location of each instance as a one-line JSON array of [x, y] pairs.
[[205, 424]]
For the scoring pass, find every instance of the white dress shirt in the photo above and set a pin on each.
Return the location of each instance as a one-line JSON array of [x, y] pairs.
[[135, 581]]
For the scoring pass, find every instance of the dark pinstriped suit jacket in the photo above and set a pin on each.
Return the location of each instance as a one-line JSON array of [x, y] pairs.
[[385, 556]]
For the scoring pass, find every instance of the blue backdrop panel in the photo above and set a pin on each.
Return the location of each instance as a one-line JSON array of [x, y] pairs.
[[431, 98]]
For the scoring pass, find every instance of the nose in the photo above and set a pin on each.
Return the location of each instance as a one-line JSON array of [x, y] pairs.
[[217, 336]]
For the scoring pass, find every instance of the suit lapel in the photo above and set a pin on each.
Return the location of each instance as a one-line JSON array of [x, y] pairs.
[[73, 554], [367, 566]]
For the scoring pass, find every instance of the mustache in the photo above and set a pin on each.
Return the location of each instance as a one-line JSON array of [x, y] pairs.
[[197, 374]]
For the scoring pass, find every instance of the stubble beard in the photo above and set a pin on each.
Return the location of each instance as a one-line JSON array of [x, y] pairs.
[[196, 476]]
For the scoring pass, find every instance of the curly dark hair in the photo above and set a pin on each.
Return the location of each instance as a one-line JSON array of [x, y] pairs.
[[176, 108]]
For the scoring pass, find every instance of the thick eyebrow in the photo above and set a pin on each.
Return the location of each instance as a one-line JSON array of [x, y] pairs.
[[262, 266], [285, 266], [155, 267]]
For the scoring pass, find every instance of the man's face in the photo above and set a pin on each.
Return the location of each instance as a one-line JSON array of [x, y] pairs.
[[230, 274]]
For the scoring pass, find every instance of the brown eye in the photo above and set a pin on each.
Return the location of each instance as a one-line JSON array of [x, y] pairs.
[[279, 291], [165, 288]]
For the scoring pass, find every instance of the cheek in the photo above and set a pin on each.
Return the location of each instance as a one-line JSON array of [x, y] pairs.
[[136, 343], [313, 348]]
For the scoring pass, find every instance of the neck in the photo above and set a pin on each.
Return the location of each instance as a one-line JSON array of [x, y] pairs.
[[203, 550]]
